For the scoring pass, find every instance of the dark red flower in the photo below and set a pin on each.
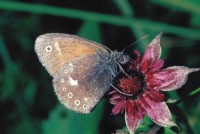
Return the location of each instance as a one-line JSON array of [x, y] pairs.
[[140, 91]]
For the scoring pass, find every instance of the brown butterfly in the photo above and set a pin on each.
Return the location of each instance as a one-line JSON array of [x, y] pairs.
[[82, 70]]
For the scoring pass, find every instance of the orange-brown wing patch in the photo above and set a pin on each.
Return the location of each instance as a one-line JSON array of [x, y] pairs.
[[55, 49]]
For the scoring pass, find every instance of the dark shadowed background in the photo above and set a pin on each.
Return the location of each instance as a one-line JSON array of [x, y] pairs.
[[28, 104]]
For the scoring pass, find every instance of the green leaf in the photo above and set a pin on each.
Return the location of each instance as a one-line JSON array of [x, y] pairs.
[[195, 19], [168, 131], [124, 7], [64, 121], [90, 30], [191, 6]]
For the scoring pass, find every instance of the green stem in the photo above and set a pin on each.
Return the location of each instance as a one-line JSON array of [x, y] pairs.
[[100, 18], [194, 92]]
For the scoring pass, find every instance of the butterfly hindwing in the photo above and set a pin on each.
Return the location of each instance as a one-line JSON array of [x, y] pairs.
[[80, 86]]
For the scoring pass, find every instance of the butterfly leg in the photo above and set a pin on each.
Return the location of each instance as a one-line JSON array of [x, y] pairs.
[[120, 67], [116, 87], [120, 91], [112, 71]]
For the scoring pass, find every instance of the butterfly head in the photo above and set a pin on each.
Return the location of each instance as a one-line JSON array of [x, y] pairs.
[[120, 57]]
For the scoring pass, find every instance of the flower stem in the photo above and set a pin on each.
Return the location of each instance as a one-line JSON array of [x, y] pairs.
[[194, 92]]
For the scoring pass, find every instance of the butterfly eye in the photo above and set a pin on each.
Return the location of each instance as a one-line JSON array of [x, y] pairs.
[[48, 48]]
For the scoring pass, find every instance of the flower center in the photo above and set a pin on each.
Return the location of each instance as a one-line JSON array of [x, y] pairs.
[[132, 84]]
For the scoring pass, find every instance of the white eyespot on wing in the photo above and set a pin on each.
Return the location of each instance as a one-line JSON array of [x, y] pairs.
[[70, 94], [64, 89], [70, 67], [62, 80], [66, 71], [77, 102], [48, 48], [84, 106], [72, 82]]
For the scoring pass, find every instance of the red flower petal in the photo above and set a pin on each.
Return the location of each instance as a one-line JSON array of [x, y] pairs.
[[140, 110], [115, 98], [143, 101], [136, 60], [152, 53], [145, 66], [112, 92], [138, 56], [172, 78], [159, 113], [156, 65], [132, 121], [130, 107], [155, 96], [119, 107]]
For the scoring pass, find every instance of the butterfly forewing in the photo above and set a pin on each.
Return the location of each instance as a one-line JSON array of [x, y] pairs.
[[55, 49]]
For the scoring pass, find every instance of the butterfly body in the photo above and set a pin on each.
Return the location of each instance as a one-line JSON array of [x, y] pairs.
[[82, 70]]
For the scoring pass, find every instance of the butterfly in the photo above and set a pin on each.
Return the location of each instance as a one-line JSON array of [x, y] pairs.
[[82, 70]]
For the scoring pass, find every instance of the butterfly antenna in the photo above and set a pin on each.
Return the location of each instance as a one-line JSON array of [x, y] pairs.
[[145, 36]]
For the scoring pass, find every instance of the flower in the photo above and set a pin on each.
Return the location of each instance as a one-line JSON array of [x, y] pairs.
[[139, 92]]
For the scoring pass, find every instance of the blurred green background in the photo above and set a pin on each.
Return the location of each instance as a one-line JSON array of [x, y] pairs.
[[28, 104]]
